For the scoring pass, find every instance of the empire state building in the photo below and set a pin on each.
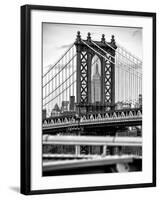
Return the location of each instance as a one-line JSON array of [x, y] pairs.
[[96, 86]]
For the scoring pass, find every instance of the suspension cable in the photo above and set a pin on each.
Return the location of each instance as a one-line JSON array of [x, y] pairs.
[[129, 53], [122, 64], [59, 71], [109, 53], [59, 94], [102, 49], [59, 59], [119, 52], [59, 85], [97, 52], [106, 52]]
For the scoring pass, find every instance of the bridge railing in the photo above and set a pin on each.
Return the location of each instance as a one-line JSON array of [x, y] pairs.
[[93, 140], [120, 146]]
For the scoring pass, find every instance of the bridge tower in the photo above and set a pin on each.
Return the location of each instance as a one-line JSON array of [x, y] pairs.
[[86, 52]]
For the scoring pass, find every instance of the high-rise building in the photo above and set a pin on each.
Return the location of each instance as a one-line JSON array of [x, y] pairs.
[[55, 111], [72, 103], [140, 100], [65, 106], [96, 86], [44, 114]]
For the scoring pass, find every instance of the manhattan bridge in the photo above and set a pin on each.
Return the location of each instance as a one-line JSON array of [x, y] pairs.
[[92, 106]]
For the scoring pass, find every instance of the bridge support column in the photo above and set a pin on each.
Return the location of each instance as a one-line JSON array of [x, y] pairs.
[[113, 74], [117, 150], [104, 150], [103, 81], [77, 150], [89, 63], [78, 75]]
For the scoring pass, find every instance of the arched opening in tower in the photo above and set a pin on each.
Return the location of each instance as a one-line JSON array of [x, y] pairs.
[[96, 80]]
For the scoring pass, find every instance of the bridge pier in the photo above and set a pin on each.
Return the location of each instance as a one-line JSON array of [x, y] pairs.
[[116, 150], [77, 150], [104, 150]]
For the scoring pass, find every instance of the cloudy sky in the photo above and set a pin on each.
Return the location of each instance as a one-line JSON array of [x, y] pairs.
[[58, 37]]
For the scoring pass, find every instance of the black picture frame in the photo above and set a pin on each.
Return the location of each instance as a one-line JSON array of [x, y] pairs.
[[26, 85]]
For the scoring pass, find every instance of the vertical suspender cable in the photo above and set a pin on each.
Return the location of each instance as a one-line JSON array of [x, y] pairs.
[[74, 77], [118, 61], [58, 77], [62, 81], [69, 70], [56, 100], [65, 78], [49, 105], [46, 93], [72, 71], [125, 85], [52, 88]]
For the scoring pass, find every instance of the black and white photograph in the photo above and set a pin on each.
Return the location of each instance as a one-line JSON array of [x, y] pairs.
[[92, 99], [88, 99]]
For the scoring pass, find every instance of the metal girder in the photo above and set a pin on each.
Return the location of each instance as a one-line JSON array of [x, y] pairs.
[[83, 78], [108, 82]]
